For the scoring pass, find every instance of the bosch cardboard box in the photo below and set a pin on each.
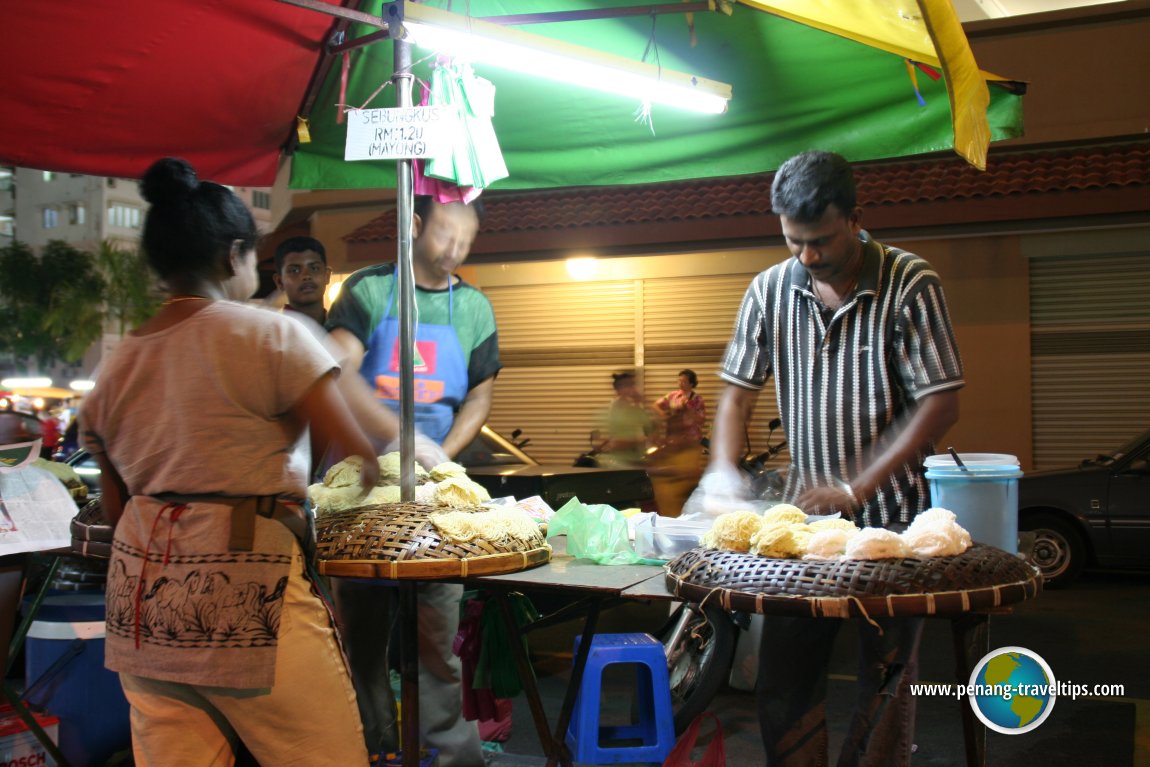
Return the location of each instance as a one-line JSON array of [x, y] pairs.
[[18, 746]]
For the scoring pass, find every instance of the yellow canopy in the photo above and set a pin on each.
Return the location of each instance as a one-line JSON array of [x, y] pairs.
[[926, 31]]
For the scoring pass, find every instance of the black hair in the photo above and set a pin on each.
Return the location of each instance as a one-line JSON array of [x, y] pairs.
[[422, 207], [191, 224], [298, 245], [691, 377], [619, 379], [808, 183]]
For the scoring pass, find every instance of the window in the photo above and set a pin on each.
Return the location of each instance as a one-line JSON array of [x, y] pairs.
[[51, 218], [7, 226], [49, 175], [111, 183], [77, 213], [262, 200], [124, 216]]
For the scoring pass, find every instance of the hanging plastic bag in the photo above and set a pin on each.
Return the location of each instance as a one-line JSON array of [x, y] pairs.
[[714, 756], [441, 191], [597, 532], [476, 159]]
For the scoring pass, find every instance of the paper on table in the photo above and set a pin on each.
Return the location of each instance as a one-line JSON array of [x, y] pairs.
[[36, 511]]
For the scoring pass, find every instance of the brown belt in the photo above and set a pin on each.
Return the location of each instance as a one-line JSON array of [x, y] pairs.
[[244, 511]]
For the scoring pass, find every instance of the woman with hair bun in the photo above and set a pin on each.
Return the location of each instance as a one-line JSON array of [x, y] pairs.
[[196, 420]]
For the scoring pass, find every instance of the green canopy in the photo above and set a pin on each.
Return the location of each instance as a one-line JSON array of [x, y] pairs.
[[795, 88]]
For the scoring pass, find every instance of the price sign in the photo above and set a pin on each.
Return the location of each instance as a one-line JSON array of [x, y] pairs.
[[404, 132]]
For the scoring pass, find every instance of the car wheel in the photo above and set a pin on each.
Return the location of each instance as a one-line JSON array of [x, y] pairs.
[[1059, 549]]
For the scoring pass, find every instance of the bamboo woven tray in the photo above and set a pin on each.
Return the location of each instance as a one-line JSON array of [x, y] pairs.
[[91, 532], [396, 541], [982, 577]]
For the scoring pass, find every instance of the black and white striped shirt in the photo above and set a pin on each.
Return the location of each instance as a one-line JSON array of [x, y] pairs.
[[844, 385]]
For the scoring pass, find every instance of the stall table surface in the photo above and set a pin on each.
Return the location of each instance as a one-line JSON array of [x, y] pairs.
[[594, 587]]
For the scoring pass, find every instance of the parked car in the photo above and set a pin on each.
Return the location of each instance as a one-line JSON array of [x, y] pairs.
[[1094, 515], [503, 468]]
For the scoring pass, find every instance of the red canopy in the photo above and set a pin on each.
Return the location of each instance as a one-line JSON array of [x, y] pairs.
[[81, 72]]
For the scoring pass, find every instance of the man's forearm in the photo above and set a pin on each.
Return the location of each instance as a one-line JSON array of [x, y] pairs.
[[932, 418], [470, 417], [376, 419]]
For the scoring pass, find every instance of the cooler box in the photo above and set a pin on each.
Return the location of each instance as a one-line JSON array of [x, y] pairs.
[[983, 494], [65, 676]]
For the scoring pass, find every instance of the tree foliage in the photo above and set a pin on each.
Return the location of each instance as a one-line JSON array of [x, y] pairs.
[[131, 295], [51, 306], [54, 306]]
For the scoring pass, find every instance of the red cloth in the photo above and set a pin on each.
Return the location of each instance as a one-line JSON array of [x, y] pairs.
[[50, 429], [494, 714]]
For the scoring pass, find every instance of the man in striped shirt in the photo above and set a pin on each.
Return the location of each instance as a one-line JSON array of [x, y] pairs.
[[858, 339]]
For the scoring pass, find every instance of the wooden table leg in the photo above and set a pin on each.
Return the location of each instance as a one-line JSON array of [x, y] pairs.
[[552, 748], [971, 635], [409, 672], [575, 682]]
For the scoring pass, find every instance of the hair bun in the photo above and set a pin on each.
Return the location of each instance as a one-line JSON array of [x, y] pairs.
[[168, 179]]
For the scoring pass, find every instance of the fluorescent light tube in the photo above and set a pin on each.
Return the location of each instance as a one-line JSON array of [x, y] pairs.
[[479, 41]]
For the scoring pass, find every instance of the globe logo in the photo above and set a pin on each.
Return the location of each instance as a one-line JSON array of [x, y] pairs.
[[1012, 690]]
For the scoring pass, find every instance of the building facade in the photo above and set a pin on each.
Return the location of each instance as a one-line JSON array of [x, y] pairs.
[[39, 206]]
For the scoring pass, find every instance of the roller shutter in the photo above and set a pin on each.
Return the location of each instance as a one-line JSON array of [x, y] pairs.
[[1090, 351], [561, 342]]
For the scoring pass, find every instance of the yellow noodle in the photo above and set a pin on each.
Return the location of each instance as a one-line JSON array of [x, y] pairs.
[[494, 525], [732, 531]]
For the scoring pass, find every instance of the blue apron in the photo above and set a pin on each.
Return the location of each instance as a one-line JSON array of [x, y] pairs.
[[440, 369]]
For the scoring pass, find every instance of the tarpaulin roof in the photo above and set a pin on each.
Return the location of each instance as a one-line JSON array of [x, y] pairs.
[[106, 87]]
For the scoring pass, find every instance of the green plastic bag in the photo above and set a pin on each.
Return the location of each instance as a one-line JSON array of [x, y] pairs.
[[597, 532]]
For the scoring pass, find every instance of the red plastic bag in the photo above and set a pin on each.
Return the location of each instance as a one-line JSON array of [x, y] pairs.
[[714, 756]]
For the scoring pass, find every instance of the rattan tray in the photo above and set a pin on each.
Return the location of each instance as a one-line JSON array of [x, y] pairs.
[[981, 578], [396, 541], [91, 532]]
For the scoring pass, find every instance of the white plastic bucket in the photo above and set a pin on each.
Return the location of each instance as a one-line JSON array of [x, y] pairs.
[[983, 494]]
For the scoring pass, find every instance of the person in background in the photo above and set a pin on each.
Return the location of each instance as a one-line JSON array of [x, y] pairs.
[[196, 421], [684, 411], [302, 274], [456, 361], [50, 434], [858, 339], [678, 463], [629, 425]]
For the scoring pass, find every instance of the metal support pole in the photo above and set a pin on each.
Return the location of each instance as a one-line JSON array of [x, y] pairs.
[[404, 195], [408, 606]]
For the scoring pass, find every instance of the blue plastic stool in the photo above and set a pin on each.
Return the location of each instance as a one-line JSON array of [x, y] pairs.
[[588, 741]]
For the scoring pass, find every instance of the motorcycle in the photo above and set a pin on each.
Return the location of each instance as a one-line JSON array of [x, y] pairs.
[[766, 481], [591, 457], [700, 639]]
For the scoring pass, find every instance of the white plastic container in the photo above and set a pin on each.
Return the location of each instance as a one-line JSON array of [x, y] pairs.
[[983, 495], [666, 537]]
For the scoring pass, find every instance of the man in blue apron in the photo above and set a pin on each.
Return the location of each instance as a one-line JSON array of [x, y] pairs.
[[456, 360]]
